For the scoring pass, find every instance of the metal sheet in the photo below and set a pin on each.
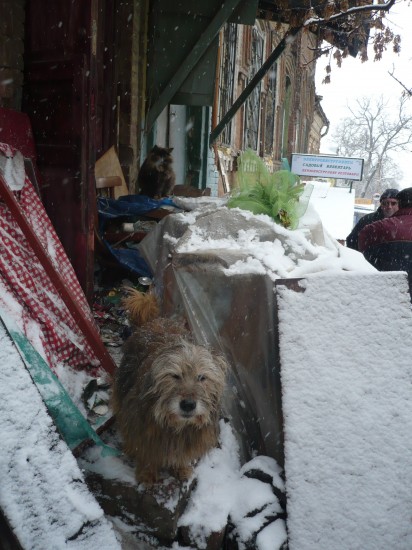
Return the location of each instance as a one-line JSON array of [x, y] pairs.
[[234, 315]]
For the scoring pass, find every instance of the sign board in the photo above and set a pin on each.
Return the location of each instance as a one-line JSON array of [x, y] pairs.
[[327, 166]]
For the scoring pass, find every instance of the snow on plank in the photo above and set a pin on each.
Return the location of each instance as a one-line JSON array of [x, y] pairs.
[[43, 494]]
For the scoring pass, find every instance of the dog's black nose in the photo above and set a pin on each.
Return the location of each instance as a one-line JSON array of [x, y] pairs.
[[187, 405]]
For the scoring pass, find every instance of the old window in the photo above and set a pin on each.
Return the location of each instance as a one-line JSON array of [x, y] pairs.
[[227, 77], [252, 106], [285, 119], [270, 111]]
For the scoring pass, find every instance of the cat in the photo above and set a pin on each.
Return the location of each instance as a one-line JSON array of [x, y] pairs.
[[156, 177]]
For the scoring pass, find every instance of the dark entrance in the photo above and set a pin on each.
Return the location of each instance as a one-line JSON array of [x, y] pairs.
[[65, 99]]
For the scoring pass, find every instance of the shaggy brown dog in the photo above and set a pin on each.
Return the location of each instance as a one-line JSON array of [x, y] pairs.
[[166, 394]]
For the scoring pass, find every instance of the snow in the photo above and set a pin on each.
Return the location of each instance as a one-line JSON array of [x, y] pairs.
[[348, 415], [347, 410], [272, 536], [42, 493], [335, 206], [280, 253], [223, 492]]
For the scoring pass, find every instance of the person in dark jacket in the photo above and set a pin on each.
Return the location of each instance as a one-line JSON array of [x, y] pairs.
[[387, 244], [388, 206]]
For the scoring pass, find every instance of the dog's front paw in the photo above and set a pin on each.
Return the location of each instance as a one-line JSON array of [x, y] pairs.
[[148, 476], [184, 472]]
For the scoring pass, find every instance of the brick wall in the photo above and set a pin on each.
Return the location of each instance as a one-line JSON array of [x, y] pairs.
[[11, 52]]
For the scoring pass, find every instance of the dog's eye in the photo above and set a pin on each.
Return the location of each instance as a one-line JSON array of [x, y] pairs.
[[201, 378], [176, 376]]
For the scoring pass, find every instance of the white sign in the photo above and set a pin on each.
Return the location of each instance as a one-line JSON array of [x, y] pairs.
[[327, 166]]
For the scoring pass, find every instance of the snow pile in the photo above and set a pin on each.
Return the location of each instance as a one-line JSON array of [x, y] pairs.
[[223, 492], [256, 244], [346, 383], [335, 206]]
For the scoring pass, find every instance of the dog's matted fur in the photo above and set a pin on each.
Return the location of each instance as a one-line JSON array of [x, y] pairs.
[[166, 393]]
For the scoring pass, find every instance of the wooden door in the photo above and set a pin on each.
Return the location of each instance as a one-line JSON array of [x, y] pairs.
[[61, 88]]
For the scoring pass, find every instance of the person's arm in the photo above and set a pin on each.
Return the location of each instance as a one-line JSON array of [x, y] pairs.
[[367, 236], [352, 238]]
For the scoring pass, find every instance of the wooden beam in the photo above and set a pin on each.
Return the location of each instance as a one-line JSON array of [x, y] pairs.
[[224, 12]]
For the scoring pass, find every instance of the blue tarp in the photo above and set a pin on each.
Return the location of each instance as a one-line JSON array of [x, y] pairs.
[[127, 208]]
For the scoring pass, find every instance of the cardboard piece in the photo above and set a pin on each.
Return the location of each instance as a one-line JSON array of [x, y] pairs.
[[108, 165]]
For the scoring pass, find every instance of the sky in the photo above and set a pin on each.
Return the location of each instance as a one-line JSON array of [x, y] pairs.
[[356, 79], [347, 416]]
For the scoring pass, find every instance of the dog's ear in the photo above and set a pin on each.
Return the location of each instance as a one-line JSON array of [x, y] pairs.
[[146, 384]]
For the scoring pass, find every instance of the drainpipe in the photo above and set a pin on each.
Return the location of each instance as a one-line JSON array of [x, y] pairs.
[[215, 107]]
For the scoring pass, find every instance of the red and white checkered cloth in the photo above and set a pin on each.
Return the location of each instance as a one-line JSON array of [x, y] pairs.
[[28, 294]]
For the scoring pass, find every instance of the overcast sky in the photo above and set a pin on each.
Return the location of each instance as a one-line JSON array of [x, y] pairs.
[[356, 79]]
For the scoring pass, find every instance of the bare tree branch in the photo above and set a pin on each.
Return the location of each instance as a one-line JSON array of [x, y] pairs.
[[407, 90], [373, 132], [351, 11]]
